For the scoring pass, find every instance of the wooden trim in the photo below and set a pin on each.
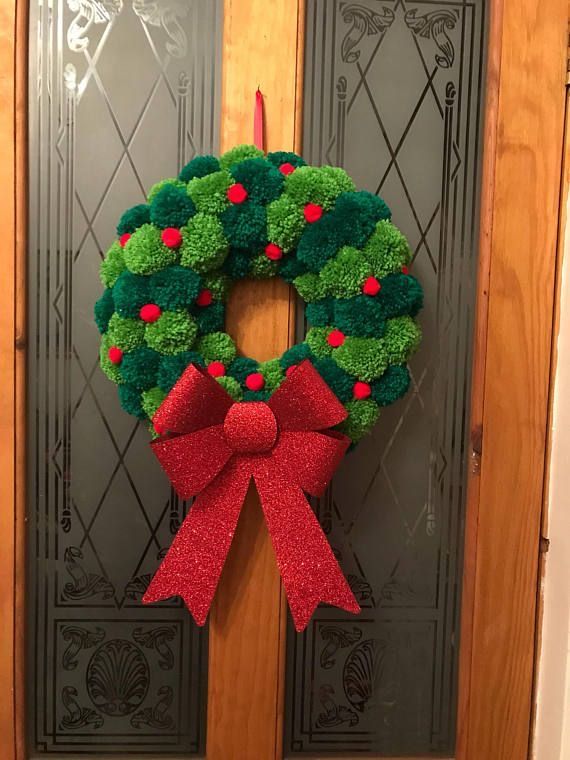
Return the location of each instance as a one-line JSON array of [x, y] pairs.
[[248, 620], [13, 222], [520, 230]]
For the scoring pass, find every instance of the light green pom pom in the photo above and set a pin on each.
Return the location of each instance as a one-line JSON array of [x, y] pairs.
[[362, 415], [204, 246], [240, 153], [157, 187], [342, 277], [272, 373], [261, 267], [113, 265], [217, 347], [209, 193], [173, 332], [126, 334], [365, 358], [401, 338], [151, 400], [309, 286], [285, 223], [231, 386], [112, 371], [317, 340], [145, 253], [387, 250], [321, 185], [219, 284]]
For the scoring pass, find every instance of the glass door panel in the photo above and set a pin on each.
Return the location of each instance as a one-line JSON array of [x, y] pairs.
[[393, 93], [121, 94]]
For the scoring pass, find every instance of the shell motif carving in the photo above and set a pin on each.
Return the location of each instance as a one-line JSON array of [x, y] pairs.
[[117, 677]]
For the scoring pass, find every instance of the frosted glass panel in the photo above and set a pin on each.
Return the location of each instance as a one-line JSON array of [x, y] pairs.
[[393, 93], [122, 94]]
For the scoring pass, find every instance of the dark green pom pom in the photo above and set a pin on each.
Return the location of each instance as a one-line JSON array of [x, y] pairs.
[[171, 367], [245, 224], [104, 309], [296, 355], [291, 268], [339, 381], [364, 205], [139, 368], [393, 384], [279, 157], [262, 181], [174, 288], [401, 294], [172, 207], [361, 315], [133, 218], [263, 395], [130, 293], [131, 401], [241, 367], [210, 318], [237, 263], [199, 167], [320, 313]]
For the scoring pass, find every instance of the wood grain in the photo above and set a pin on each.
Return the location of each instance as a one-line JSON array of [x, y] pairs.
[[247, 623], [523, 234]]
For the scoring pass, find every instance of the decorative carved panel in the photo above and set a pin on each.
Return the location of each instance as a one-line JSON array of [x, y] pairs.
[[393, 92], [122, 94]]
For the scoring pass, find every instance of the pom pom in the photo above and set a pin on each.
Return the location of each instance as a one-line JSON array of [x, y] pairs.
[[211, 318], [216, 369], [145, 253], [133, 218], [150, 312], [312, 212], [279, 157], [124, 239], [173, 332], [285, 223], [171, 367], [104, 309], [200, 166], [246, 225], [231, 386], [209, 193], [171, 237], [286, 168], [241, 367], [238, 154], [255, 381], [131, 401], [217, 346], [361, 390], [371, 286], [130, 293], [263, 182], [171, 207], [204, 246], [115, 355], [112, 265], [405, 270], [126, 334], [140, 367], [273, 252], [204, 297], [174, 288], [335, 338]]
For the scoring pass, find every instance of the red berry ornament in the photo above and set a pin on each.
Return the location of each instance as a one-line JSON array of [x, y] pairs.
[[273, 252], [361, 390], [335, 338], [405, 270], [115, 355], [313, 212], [286, 168], [124, 239], [171, 237], [150, 312], [237, 193], [255, 381], [216, 369], [205, 297], [371, 287]]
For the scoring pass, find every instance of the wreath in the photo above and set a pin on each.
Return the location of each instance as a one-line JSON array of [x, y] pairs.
[[248, 214]]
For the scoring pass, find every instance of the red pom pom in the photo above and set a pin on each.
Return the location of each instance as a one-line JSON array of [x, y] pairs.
[[371, 287], [237, 193], [313, 212], [216, 369], [405, 270], [171, 237], [273, 252], [115, 355], [290, 370], [286, 168], [205, 297], [150, 312], [361, 390], [124, 239], [335, 338], [255, 381]]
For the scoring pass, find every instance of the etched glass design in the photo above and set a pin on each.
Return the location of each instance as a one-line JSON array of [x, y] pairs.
[[393, 93], [121, 94]]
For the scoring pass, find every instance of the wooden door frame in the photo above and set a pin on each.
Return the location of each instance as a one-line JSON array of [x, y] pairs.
[[524, 120]]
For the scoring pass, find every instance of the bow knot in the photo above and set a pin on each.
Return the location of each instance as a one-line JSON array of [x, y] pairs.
[[213, 448]]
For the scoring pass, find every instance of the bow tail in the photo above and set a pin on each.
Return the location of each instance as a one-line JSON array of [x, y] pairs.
[[194, 562], [309, 569]]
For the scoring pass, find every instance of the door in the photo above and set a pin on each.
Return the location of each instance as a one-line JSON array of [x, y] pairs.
[[435, 519]]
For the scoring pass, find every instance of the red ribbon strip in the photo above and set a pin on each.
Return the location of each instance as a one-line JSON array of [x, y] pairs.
[[258, 130], [213, 449]]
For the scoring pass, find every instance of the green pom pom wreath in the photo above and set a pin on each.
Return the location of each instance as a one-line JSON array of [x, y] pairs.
[[246, 214]]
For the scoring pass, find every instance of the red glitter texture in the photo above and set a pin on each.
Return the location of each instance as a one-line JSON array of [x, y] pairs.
[[335, 338], [171, 237], [313, 212], [150, 312], [237, 193]]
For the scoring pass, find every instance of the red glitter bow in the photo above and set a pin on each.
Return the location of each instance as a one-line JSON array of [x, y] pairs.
[[214, 448]]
